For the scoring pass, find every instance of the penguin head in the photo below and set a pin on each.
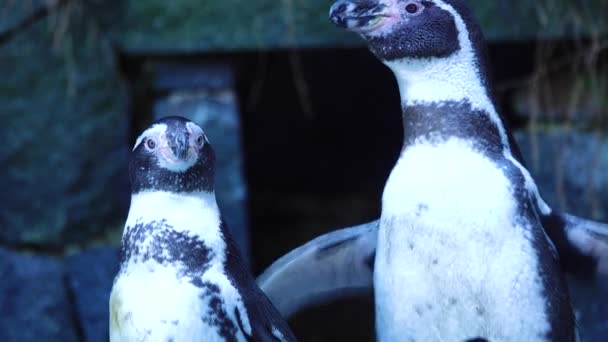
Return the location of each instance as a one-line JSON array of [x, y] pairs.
[[172, 155], [406, 29]]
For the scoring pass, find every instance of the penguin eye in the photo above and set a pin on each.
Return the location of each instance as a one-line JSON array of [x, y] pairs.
[[150, 143], [412, 8], [200, 140]]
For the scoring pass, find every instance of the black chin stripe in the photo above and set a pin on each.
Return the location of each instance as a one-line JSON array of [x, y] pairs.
[[438, 122]]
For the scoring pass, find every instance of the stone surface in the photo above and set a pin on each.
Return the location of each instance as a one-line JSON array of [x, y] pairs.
[[570, 168], [204, 94], [590, 301], [63, 174], [192, 25], [34, 303], [90, 276]]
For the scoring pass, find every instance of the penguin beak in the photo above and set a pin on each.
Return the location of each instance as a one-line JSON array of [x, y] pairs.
[[179, 143], [358, 15]]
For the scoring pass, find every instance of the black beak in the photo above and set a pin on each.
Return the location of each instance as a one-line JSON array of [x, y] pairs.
[[179, 142], [356, 14]]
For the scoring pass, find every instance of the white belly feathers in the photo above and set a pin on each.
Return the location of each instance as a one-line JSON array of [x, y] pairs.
[[454, 262]]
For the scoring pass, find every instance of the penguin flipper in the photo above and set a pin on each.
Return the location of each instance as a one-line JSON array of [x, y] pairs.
[[582, 244], [331, 266], [591, 238]]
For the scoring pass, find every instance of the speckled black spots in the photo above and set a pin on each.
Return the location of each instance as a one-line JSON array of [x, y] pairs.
[[438, 122], [216, 314], [420, 209], [433, 33], [197, 281], [480, 311], [158, 241], [435, 261]]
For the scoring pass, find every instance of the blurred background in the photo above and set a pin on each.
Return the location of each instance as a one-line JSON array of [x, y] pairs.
[[305, 122]]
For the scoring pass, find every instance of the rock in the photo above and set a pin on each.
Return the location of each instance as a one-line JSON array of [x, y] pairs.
[[90, 277], [570, 168], [590, 301], [34, 303], [64, 149], [204, 94]]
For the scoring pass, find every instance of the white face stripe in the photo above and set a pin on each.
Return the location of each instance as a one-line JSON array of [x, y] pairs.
[[195, 130], [156, 130]]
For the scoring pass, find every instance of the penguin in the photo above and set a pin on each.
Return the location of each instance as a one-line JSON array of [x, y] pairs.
[[461, 252], [181, 275], [340, 263], [443, 37], [464, 255]]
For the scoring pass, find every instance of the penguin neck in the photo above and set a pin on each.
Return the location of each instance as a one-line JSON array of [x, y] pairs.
[[453, 78], [193, 215], [446, 97]]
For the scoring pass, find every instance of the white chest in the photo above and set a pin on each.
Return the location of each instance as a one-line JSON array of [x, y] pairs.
[[163, 292], [150, 303], [453, 262]]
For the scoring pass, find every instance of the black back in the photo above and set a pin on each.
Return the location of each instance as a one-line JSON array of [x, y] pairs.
[[263, 315]]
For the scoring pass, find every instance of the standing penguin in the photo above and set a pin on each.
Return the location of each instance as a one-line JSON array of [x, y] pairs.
[[435, 49], [464, 255], [181, 275]]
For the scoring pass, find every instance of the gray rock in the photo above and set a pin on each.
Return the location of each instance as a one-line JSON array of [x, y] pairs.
[[63, 156], [590, 301], [90, 277], [204, 94], [570, 168], [34, 303]]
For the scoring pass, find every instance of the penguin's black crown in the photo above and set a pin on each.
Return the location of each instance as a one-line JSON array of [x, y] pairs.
[[172, 155], [397, 29]]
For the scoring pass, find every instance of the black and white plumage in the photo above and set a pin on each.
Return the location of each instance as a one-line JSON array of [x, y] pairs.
[[181, 275], [462, 251]]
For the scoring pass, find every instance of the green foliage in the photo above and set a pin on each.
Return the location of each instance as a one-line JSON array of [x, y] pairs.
[[194, 25]]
